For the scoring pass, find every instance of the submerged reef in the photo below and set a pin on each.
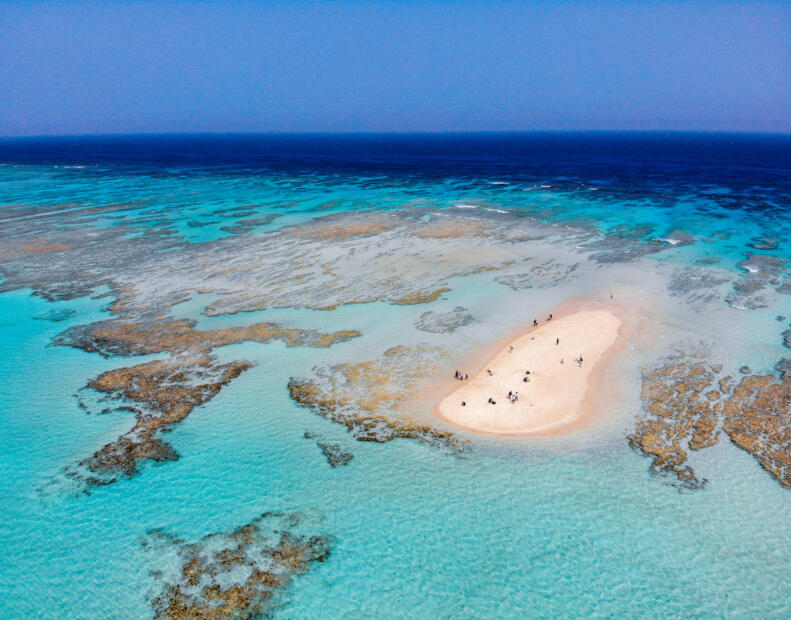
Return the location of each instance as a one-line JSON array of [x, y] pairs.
[[161, 394], [56, 316], [757, 418], [444, 322], [697, 286], [763, 273], [336, 453], [626, 243], [405, 257], [244, 573], [543, 275], [128, 338], [408, 256], [164, 392], [369, 397], [687, 402], [680, 409]]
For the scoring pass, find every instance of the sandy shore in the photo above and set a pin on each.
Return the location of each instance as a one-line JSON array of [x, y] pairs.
[[555, 394]]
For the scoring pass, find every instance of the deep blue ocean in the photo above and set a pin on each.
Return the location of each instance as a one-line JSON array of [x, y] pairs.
[[562, 527]]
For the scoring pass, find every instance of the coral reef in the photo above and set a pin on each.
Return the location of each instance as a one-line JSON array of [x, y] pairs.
[[546, 274], [369, 397], [762, 272], [679, 412], [685, 405], [127, 338], [336, 453], [240, 574], [697, 286], [757, 418], [160, 393], [443, 322]]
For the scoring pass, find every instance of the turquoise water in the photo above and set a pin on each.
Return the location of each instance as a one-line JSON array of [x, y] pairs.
[[571, 526]]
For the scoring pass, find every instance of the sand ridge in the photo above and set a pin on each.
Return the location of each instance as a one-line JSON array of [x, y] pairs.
[[555, 393]]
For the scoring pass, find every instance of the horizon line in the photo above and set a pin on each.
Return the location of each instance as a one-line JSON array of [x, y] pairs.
[[391, 133]]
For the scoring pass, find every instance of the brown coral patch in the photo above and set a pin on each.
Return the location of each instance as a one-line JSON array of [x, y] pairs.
[[161, 393], [678, 415], [420, 297], [138, 338], [331, 229], [451, 229], [757, 418], [370, 397], [681, 410], [241, 574], [41, 247]]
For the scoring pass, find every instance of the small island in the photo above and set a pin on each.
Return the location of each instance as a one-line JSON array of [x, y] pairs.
[[551, 368]]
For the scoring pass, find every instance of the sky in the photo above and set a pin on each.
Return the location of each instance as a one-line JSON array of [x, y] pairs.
[[364, 66]]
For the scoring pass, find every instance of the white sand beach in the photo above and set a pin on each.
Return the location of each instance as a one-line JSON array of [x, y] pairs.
[[554, 394]]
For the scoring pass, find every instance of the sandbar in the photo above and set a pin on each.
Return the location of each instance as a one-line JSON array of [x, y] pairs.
[[554, 395]]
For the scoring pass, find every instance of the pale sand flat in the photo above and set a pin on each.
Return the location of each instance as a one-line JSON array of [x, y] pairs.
[[555, 394]]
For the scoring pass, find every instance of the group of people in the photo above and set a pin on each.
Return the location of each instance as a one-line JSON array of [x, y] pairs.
[[513, 396]]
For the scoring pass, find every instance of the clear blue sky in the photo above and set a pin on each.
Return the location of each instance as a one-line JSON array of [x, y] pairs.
[[117, 67]]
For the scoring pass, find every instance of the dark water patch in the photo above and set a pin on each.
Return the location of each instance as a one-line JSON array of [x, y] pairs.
[[60, 314], [763, 272], [697, 286], [764, 243], [336, 453]]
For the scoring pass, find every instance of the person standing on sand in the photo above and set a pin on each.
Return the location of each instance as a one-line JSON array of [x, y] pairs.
[[535, 322], [557, 340]]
